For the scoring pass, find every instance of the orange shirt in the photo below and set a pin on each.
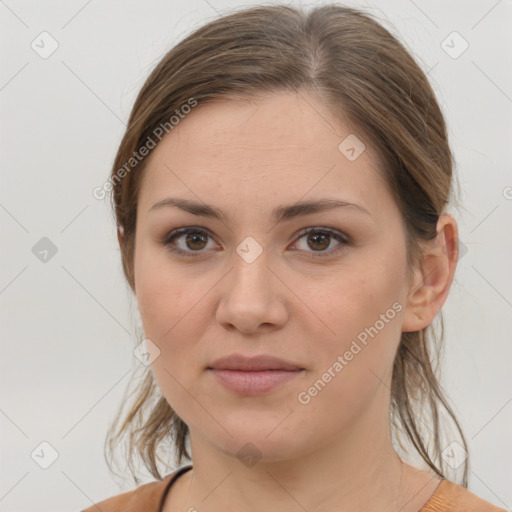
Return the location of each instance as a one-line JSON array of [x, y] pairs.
[[150, 497]]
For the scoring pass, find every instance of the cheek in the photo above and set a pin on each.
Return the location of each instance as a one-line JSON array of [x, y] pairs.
[[353, 367], [353, 303], [363, 311], [170, 307], [164, 293], [171, 311]]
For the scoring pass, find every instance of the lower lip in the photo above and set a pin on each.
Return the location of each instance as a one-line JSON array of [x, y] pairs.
[[253, 383]]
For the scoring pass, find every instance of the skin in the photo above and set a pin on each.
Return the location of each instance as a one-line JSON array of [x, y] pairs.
[[335, 452]]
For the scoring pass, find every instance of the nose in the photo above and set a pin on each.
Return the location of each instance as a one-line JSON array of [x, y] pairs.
[[253, 298]]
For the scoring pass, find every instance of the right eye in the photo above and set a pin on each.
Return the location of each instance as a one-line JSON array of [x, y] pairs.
[[191, 241]]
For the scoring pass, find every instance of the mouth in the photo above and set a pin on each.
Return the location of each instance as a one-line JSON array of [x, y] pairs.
[[256, 363], [245, 382], [253, 375]]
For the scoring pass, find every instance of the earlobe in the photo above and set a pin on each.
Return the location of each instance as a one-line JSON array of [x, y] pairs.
[[433, 279]]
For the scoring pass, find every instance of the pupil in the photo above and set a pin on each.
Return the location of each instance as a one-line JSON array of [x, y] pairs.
[[324, 236], [194, 237]]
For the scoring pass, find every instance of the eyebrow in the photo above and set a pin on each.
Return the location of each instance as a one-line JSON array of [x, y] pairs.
[[280, 214]]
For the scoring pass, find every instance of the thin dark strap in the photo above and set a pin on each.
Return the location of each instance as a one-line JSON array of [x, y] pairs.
[[173, 478]]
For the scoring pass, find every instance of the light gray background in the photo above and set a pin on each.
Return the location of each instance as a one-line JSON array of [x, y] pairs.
[[66, 327]]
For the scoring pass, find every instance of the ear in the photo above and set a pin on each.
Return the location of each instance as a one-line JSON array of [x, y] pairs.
[[433, 279]]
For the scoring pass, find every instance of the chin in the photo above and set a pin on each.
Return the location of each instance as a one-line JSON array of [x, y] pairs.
[[257, 439]]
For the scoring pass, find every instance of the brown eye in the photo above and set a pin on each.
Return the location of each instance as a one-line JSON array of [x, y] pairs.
[[319, 239], [187, 241], [193, 242], [196, 240]]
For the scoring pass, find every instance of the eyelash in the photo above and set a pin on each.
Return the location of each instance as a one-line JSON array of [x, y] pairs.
[[168, 241]]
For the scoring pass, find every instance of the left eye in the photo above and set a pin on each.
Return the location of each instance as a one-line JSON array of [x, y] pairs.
[[320, 238], [195, 239]]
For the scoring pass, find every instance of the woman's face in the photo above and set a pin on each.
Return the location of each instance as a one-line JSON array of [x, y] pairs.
[[251, 283]]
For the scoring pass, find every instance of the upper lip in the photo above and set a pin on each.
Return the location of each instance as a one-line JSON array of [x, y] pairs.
[[256, 363]]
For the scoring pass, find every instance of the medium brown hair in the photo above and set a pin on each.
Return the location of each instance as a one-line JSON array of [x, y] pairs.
[[361, 72]]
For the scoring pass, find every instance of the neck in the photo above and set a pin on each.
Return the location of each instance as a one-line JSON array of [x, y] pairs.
[[359, 471]]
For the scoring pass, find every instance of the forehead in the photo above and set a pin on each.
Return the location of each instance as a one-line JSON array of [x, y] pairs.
[[284, 145]]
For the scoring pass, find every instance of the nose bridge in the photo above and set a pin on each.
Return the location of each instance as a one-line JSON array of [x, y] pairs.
[[250, 273], [249, 297]]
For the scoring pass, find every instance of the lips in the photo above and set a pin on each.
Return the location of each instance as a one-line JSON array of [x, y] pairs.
[[253, 375], [253, 364]]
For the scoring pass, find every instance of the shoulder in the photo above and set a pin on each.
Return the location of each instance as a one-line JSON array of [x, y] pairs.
[[145, 497], [451, 497]]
